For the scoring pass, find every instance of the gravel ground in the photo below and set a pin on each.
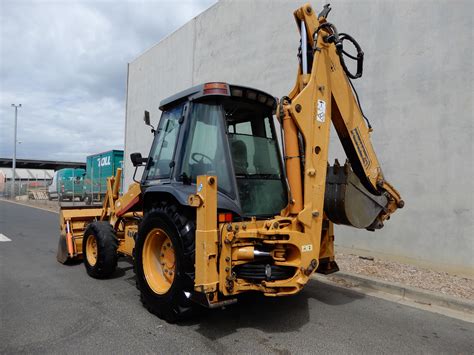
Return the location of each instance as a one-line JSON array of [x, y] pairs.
[[409, 275], [391, 271]]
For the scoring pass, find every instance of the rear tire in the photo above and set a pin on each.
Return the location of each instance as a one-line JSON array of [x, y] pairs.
[[99, 247], [166, 297]]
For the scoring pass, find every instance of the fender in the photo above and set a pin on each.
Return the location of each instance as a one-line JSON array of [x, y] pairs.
[[181, 193]]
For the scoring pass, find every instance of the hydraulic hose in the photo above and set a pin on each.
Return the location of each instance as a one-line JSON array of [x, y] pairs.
[[338, 40], [342, 52]]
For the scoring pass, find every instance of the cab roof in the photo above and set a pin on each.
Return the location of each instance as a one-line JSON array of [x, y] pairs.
[[220, 89]]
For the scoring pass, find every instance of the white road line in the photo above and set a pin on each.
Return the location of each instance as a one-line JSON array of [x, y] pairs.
[[4, 238]]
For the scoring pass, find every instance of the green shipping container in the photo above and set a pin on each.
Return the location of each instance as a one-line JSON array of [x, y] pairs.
[[98, 168]]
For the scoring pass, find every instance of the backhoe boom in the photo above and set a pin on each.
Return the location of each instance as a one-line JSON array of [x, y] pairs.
[[322, 94]]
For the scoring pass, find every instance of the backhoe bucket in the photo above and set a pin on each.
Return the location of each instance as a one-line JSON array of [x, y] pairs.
[[73, 222], [348, 202]]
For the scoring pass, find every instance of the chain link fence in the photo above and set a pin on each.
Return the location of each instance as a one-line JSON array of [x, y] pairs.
[[37, 192], [66, 187]]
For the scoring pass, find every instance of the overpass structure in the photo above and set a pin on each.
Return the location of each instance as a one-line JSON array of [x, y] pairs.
[[40, 164]]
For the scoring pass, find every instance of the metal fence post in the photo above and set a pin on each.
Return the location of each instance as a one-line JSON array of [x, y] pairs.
[[92, 181], [73, 184]]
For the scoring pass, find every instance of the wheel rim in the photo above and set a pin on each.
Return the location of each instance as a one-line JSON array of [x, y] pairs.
[[91, 250], [159, 261]]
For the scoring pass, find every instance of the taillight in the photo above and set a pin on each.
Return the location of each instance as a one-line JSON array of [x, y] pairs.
[[252, 95], [237, 92], [216, 88], [262, 98], [225, 217]]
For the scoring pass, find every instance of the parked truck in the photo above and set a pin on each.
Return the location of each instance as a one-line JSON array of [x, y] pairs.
[[98, 168], [67, 184]]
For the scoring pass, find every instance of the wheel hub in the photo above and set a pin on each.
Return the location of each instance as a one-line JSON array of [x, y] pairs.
[[91, 250], [159, 261]]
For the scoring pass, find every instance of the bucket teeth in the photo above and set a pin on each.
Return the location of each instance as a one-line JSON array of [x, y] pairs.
[[347, 167], [336, 166]]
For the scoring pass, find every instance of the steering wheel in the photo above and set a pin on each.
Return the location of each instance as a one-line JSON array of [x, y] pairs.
[[195, 156]]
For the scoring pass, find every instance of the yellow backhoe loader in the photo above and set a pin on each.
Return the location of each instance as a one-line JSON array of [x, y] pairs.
[[219, 211]]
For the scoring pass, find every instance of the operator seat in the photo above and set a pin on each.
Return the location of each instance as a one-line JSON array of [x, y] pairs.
[[239, 155]]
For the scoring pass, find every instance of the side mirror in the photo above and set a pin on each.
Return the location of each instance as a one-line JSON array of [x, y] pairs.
[[137, 159], [146, 119]]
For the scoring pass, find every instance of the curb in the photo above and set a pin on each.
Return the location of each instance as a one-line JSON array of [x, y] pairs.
[[27, 205], [405, 292]]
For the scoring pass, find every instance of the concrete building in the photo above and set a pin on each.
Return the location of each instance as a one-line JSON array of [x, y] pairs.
[[416, 90]]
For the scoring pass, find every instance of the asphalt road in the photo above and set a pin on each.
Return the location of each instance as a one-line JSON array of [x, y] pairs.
[[47, 307]]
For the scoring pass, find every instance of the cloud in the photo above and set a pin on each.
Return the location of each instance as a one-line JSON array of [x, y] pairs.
[[66, 63]]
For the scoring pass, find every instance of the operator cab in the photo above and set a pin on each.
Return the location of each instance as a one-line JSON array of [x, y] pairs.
[[223, 130]]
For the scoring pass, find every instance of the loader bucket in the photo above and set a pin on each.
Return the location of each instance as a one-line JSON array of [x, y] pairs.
[[73, 222], [348, 202]]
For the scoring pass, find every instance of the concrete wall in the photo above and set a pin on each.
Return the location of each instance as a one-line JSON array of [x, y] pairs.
[[416, 90]]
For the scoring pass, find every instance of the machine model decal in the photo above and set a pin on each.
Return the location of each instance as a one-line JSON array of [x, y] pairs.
[[307, 247], [321, 114], [360, 147]]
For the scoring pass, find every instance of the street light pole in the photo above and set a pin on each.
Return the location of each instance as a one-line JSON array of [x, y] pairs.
[[14, 149]]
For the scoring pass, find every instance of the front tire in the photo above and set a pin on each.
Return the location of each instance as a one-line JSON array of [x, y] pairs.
[[162, 263], [99, 247]]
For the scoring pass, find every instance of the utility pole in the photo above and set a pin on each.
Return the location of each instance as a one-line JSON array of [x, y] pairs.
[[14, 149]]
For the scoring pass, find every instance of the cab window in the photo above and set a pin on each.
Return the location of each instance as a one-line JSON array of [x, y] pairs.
[[255, 156], [164, 144], [204, 153]]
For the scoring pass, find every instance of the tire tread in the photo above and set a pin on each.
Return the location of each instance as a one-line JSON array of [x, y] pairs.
[[107, 245], [177, 306]]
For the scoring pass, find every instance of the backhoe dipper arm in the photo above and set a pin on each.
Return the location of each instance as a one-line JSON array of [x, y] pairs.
[[323, 93]]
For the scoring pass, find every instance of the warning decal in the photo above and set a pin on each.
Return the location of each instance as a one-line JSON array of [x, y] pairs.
[[361, 150], [321, 112]]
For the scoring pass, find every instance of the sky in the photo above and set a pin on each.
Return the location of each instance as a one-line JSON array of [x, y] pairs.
[[66, 63]]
